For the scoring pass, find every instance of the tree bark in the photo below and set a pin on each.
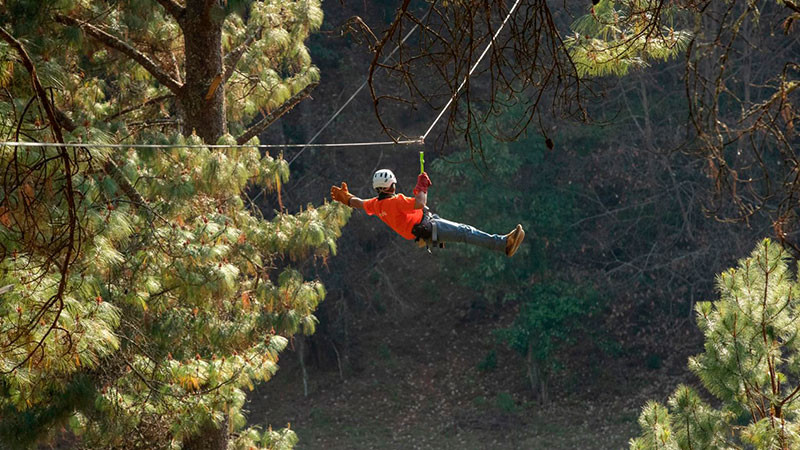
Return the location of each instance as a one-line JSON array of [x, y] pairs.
[[210, 437], [202, 99], [202, 96]]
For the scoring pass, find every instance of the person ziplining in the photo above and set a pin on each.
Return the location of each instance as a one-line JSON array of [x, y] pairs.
[[409, 217]]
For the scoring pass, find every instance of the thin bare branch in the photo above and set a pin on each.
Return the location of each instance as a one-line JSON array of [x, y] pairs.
[[72, 222], [129, 109]]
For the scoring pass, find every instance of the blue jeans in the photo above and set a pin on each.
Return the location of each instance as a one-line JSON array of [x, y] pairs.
[[447, 231]]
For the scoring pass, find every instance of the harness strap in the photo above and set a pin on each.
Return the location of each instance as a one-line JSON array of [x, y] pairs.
[[426, 231]]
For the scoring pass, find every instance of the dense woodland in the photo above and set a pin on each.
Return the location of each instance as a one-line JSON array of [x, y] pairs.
[[148, 296]]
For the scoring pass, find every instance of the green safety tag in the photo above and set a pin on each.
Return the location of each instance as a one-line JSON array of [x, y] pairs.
[[421, 162]]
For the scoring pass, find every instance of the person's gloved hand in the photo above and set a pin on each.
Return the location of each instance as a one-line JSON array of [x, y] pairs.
[[423, 183], [341, 194]]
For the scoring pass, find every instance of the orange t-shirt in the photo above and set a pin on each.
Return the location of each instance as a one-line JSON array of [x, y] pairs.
[[398, 212]]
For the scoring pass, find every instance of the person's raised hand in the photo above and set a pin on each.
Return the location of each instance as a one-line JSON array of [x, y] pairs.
[[423, 183], [341, 194]]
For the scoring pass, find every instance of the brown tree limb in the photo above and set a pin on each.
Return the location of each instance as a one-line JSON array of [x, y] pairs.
[[111, 168], [123, 47], [233, 57], [173, 8], [64, 120], [274, 115], [37, 85]]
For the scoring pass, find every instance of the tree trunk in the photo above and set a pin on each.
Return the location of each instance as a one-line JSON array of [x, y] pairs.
[[648, 128], [209, 438], [203, 95], [202, 100], [301, 356], [536, 376]]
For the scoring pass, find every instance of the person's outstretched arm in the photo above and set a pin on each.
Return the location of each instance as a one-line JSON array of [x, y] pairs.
[[355, 202], [342, 195]]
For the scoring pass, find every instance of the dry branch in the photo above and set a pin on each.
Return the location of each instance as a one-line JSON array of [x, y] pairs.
[[173, 8], [69, 246]]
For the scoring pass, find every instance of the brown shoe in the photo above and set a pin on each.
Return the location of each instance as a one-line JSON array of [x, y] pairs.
[[514, 239]]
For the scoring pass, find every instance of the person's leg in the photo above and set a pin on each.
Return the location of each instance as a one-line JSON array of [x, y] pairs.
[[448, 231]]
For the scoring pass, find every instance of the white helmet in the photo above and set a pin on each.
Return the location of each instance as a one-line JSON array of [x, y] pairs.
[[383, 178]]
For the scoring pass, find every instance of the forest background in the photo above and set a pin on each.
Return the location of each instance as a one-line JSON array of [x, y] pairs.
[[556, 348], [419, 350]]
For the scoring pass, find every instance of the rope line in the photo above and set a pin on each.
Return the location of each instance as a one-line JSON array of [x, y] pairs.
[[474, 66], [96, 145], [310, 143], [360, 88]]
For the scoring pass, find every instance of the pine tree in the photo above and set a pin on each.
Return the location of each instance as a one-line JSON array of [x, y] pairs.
[[141, 291], [620, 35], [750, 365]]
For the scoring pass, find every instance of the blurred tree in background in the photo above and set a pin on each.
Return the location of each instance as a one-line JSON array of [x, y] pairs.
[[519, 184], [142, 290], [750, 365]]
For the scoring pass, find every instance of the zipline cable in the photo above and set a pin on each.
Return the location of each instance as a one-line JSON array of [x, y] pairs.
[[360, 88], [474, 66], [97, 145], [310, 143]]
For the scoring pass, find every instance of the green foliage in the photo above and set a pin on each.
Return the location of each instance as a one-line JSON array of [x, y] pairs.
[[489, 362], [620, 35], [549, 318], [749, 365], [657, 430], [174, 295], [93, 83], [167, 317], [505, 402], [283, 439], [276, 66]]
